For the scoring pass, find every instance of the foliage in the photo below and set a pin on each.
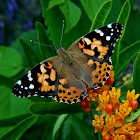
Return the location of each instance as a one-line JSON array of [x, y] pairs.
[[17, 16], [49, 119]]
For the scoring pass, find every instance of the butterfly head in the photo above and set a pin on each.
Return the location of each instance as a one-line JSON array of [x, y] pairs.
[[59, 49]]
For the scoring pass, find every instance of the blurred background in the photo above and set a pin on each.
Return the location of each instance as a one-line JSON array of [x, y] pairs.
[[17, 16]]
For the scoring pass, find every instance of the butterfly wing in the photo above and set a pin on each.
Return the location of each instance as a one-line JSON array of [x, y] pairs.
[[51, 78], [93, 52], [40, 81]]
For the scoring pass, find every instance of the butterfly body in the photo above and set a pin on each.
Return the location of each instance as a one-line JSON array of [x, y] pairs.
[[62, 77]]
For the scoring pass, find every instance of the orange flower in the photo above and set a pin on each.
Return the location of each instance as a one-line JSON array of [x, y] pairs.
[[119, 137], [91, 95], [137, 136], [104, 87], [98, 123], [115, 95], [111, 122], [103, 101], [137, 124], [127, 129], [111, 74], [131, 96], [124, 110]]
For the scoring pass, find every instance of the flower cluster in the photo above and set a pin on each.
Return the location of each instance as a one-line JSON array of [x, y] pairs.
[[112, 122], [17, 16], [93, 95]]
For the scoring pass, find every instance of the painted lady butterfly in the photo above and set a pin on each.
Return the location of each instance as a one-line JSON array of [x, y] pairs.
[[61, 77]]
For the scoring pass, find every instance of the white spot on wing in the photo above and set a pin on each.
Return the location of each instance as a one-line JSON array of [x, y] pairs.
[[111, 34], [26, 88], [29, 76], [29, 96], [109, 25], [31, 86], [112, 30], [114, 44], [19, 82], [108, 38], [99, 31]]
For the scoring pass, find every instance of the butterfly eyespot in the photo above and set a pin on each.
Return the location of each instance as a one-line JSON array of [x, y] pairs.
[[62, 77]]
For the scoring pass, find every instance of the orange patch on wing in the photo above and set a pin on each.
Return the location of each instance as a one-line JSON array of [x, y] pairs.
[[90, 62], [97, 42], [50, 65], [70, 93], [51, 88], [93, 46], [40, 77], [53, 74], [43, 70], [88, 41], [94, 39], [80, 46], [63, 81], [89, 52], [44, 86]]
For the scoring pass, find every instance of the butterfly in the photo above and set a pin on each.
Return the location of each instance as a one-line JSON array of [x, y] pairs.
[[62, 77]]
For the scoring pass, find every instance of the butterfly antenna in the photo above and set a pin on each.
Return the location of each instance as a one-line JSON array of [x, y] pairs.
[[62, 32], [40, 43]]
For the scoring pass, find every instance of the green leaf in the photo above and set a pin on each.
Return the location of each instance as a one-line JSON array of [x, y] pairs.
[[126, 55], [43, 39], [19, 129], [54, 26], [13, 120], [6, 81], [49, 129], [53, 3], [136, 74], [134, 2], [44, 4], [122, 18], [133, 116], [101, 15], [12, 106], [58, 124], [30, 55], [72, 14], [82, 129], [66, 129], [55, 108], [91, 7], [10, 62], [27, 36]]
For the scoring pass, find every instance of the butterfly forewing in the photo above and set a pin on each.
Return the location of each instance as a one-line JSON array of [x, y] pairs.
[[90, 61], [97, 47]]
